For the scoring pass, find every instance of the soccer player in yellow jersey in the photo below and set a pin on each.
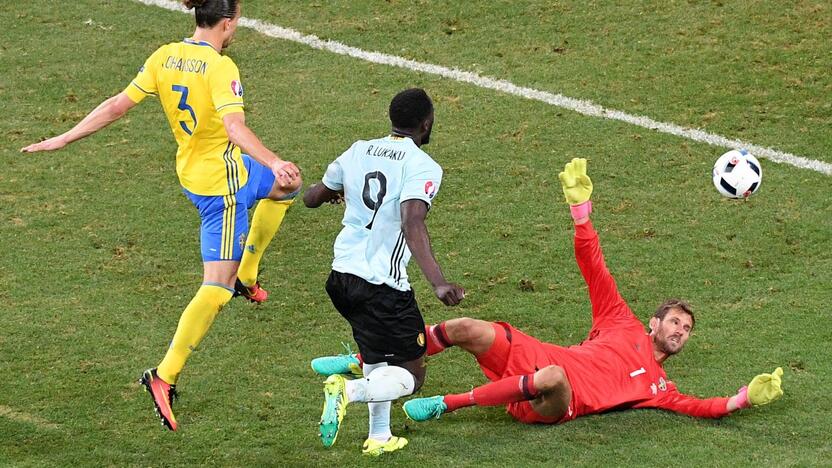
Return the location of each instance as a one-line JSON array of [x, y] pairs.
[[202, 97]]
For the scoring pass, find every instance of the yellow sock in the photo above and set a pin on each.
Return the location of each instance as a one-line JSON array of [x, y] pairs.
[[193, 325], [264, 225]]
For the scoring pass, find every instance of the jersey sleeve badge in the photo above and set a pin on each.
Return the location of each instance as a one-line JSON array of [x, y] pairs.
[[237, 88], [430, 189]]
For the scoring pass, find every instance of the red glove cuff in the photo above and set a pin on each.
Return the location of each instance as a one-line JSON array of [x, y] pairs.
[[742, 398], [581, 211]]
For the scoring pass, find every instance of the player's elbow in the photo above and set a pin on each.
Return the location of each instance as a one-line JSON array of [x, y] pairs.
[[118, 105], [413, 214], [234, 134], [411, 227], [235, 130]]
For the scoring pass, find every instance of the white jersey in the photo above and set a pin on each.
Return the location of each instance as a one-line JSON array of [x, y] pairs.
[[376, 177]]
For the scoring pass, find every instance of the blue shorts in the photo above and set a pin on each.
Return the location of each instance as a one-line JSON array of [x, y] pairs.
[[225, 217]]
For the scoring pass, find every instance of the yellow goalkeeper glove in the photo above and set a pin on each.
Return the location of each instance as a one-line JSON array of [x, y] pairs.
[[763, 389], [577, 187]]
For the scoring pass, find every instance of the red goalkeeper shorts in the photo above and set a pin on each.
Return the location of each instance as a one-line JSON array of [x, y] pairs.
[[515, 353]]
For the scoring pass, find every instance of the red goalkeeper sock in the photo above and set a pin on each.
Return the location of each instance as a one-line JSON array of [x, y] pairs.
[[459, 400], [508, 390], [501, 392], [437, 338]]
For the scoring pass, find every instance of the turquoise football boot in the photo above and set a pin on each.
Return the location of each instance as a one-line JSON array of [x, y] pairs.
[[346, 364], [422, 409]]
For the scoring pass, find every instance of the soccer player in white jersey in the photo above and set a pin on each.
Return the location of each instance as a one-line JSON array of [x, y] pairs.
[[388, 185]]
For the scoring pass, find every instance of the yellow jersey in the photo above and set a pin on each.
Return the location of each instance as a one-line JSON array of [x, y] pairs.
[[197, 86]]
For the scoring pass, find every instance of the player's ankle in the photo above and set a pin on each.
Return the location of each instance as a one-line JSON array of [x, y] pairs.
[[459, 400], [247, 282]]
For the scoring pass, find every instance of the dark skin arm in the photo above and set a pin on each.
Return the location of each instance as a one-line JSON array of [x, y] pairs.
[[319, 194], [415, 232], [413, 213]]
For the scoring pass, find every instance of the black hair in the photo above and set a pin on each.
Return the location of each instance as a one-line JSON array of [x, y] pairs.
[[410, 108], [210, 12]]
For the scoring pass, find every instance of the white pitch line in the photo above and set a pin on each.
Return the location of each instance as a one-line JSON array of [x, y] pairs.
[[577, 105]]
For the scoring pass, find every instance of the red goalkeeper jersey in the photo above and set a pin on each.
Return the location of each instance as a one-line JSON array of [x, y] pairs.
[[614, 368]]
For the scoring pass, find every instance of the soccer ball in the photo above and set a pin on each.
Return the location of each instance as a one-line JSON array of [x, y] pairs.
[[737, 174]]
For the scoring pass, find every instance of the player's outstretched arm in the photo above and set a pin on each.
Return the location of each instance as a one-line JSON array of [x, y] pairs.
[[603, 293], [415, 232], [577, 188], [106, 113], [287, 173], [763, 389], [318, 194]]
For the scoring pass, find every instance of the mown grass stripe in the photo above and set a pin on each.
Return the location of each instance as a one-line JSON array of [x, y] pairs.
[[577, 105], [17, 416]]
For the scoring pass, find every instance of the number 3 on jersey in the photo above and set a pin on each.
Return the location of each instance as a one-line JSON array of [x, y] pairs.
[[183, 105], [367, 193]]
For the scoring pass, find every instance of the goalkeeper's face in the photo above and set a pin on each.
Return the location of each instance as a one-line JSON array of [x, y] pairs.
[[672, 332]]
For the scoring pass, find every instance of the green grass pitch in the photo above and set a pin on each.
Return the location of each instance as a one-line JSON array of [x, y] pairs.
[[100, 248]]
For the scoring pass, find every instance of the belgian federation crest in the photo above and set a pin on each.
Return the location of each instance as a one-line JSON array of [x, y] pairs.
[[662, 384], [420, 340]]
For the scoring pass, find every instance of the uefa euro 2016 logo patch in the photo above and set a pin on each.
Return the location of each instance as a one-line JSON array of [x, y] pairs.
[[430, 189], [237, 88]]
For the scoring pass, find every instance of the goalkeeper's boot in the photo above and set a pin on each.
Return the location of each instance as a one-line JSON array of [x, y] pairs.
[[335, 407], [347, 364], [375, 447], [254, 293], [163, 394], [422, 409]]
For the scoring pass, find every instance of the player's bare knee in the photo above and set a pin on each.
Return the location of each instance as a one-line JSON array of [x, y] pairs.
[[456, 329], [550, 378], [287, 192], [464, 330]]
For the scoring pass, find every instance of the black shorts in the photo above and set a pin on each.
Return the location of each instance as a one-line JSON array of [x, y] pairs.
[[386, 323]]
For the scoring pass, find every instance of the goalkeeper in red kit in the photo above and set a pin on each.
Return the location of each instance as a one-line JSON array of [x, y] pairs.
[[618, 366]]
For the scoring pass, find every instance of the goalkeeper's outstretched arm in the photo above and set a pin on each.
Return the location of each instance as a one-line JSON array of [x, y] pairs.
[[603, 292], [577, 188], [762, 390]]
